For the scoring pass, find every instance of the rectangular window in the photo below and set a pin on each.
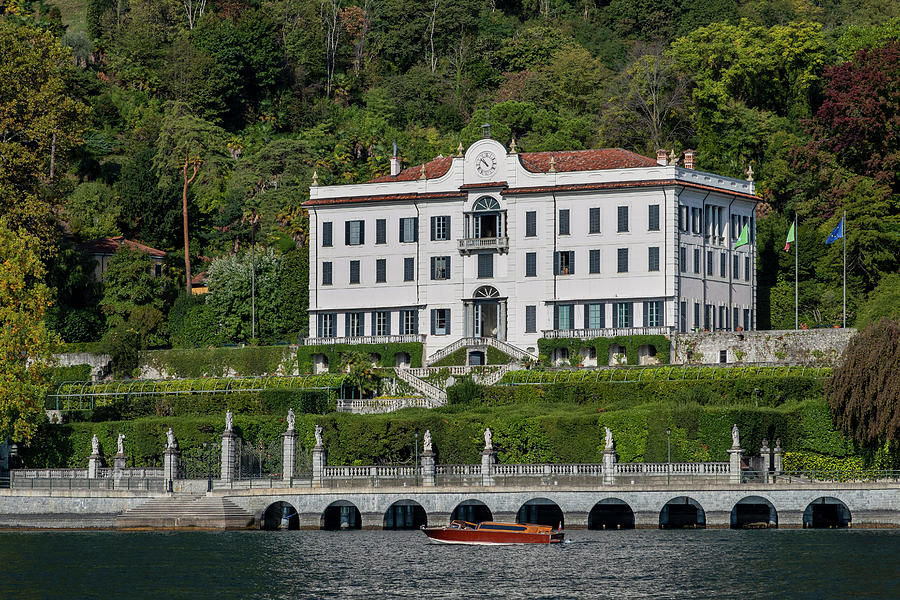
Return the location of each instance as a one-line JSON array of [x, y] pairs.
[[696, 315], [440, 321], [440, 267], [736, 270], [681, 219], [381, 323], [409, 269], [531, 223], [327, 323], [354, 233], [531, 264], [594, 261], [734, 318], [653, 258], [595, 316], [564, 316], [564, 221], [622, 316], [723, 265], [707, 309], [409, 322], [622, 219], [622, 260], [594, 220], [381, 231], [354, 324], [485, 266], [565, 263], [354, 271], [530, 319], [440, 228], [682, 259], [697, 260], [709, 263], [653, 218], [683, 316], [409, 229], [380, 270], [653, 313], [327, 240], [326, 273], [696, 214], [723, 313], [746, 319], [747, 269]]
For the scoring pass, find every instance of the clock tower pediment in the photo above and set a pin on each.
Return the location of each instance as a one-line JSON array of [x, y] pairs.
[[485, 162]]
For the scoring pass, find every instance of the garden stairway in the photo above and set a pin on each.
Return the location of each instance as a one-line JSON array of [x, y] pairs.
[[175, 512], [431, 392]]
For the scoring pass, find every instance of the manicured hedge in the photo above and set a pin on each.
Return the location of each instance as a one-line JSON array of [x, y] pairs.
[[219, 362], [59, 375], [673, 373], [333, 352], [631, 343]]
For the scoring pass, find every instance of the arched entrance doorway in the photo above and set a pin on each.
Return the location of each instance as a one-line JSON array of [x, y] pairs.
[[826, 513], [753, 512], [486, 313], [541, 511], [405, 514], [341, 515], [682, 513], [611, 513], [280, 515], [473, 511]]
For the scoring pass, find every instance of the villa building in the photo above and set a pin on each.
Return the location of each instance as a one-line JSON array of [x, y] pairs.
[[508, 247]]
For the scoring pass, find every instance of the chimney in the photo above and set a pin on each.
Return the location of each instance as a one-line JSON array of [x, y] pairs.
[[688, 159], [395, 162], [661, 157]]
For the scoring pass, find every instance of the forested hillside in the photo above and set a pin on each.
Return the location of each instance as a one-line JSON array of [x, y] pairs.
[[116, 114]]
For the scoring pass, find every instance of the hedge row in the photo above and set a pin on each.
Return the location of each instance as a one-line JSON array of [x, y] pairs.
[[221, 362], [386, 354], [59, 375], [685, 372], [601, 346]]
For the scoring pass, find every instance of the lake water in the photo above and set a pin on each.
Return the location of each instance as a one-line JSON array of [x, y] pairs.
[[403, 564]]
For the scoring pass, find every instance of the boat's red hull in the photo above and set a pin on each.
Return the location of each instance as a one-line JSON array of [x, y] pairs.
[[482, 537]]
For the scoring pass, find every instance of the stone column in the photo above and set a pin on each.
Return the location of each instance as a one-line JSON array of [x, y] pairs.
[[120, 461], [488, 460], [428, 468], [229, 442], [288, 454], [734, 464], [318, 465], [94, 464], [609, 466], [170, 466], [765, 453], [777, 466]]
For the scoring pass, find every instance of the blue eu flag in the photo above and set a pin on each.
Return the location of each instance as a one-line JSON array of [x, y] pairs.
[[837, 233]]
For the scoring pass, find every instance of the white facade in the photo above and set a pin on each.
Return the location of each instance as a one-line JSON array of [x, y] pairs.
[[523, 246]]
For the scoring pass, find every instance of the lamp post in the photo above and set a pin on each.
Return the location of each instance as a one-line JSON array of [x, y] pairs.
[[416, 455], [668, 455]]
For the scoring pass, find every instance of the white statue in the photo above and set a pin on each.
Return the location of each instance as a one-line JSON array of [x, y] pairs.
[[609, 439], [95, 445], [121, 443], [290, 419], [170, 439], [229, 420], [765, 444], [778, 443], [735, 437], [318, 434], [488, 437], [426, 441]]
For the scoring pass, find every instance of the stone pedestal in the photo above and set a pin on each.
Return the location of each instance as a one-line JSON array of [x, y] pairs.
[[229, 449], [734, 464], [765, 454], [94, 464], [318, 465], [170, 466], [488, 460], [119, 462], [777, 466], [288, 455], [428, 468], [609, 466]]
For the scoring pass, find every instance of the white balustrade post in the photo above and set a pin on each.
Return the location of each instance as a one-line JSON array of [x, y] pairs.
[[428, 470], [488, 460], [609, 466], [734, 464], [94, 463], [288, 454], [777, 465], [318, 465], [229, 443]]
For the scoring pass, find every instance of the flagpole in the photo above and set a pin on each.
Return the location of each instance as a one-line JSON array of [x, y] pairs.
[[796, 278], [844, 239]]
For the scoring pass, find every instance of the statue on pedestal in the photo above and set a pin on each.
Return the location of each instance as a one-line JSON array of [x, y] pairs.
[[318, 433], [488, 437], [778, 444], [735, 437], [426, 441], [171, 444], [95, 445], [290, 419], [229, 421], [765, 445], [121, 443], [609, 439]]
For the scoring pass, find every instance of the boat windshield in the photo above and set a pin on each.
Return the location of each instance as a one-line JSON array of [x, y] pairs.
[[461, 525]]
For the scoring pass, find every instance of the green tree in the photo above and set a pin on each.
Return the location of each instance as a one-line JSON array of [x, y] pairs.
[[134, 296], [883, 302], [75, 314], [25, 341], [93, 210]]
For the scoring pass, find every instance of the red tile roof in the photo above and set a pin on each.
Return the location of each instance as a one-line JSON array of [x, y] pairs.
[[114, 244], [584, 160], [577, 187], [433, 169], [411, 196]]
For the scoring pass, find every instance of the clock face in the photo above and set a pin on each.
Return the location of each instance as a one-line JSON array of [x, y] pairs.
[[486, 163]]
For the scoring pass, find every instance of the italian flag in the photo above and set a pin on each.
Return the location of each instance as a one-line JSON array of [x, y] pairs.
[[790, 239]]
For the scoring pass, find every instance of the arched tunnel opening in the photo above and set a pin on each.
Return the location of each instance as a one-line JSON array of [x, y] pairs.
[[405, 514], [753, 512], [280, 515], [473, 511], [611, 513], [541, 511], [682, 513], [341, 515], [826, 513]]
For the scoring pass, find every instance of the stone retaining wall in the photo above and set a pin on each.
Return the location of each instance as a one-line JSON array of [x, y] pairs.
[[823, 346]]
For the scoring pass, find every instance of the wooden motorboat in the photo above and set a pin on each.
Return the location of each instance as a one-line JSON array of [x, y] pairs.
[[489, 532]]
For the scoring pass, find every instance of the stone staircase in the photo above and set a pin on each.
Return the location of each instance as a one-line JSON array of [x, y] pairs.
[[509, 349], [175, 512], [431, 392]]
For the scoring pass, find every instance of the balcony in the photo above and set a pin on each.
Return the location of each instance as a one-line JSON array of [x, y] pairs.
[[586, 334], [467, 245], [363, 339]]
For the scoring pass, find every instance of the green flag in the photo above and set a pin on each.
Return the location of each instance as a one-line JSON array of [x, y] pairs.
[[744, 238], [790, 238]]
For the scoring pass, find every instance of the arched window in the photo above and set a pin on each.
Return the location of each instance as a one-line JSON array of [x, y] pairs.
[[485, 203], [486, 291]]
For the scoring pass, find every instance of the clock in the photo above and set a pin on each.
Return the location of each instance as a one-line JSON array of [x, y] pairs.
[[486, 163]]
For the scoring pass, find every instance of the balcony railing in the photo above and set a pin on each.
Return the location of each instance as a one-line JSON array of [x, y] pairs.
[[362, 339], [607, 332], [487, 243]]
